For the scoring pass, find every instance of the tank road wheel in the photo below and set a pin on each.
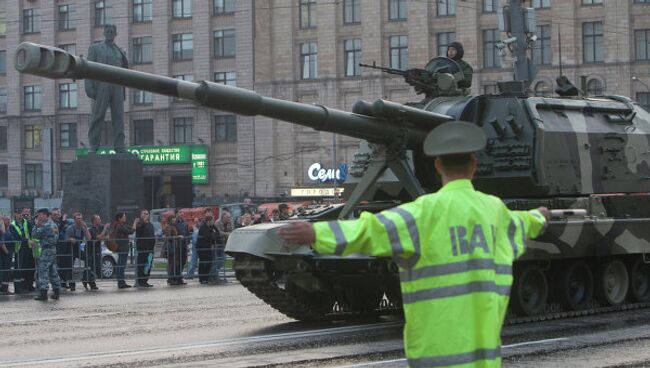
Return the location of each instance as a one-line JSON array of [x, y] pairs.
[[640, 280], [529, 291], [613, 284], [576, 286]]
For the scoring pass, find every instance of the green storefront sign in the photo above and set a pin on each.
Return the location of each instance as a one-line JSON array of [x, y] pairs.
[[197, 155]]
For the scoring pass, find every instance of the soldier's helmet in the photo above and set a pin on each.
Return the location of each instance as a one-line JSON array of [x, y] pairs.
[[453, 138]]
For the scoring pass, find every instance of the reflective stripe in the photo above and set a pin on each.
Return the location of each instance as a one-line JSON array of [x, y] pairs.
[[463, 358], [393, 236], [341, 243], [512, 229], [523, 233], [456, 290], [457, 267], [413, 233]]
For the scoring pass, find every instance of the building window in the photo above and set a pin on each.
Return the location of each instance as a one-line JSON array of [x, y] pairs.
[[31, 21], [351, 11], [68, 135], [308, 60], [595, 87], [225, 128], [4, 176], [3, 61], [32, 137], [352, 52], [397, 10], [642, 44], [142, 50], [592, 42], [69, 47], [66, 18], [542, 89], [183, 130], [542, 47], [227, 78], [307, 13], [141, 97], [490, 55], [490, 6], [224, 43], [446, 7], [182, 8], [541, 4], [3, 22], [33, 176], [443, 41], [100, 13], [3, 100], [592, 2], [143, 132], [399, 52], [64, 173], [643, 98], [183, 46], [3, 139], [142, 11], [32, 98], [68, 96], [224, 7]]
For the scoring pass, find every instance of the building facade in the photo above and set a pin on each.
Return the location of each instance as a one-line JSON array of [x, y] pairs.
[[299, 50]]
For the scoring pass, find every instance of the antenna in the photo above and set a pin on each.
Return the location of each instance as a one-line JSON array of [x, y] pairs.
[[559, 40]]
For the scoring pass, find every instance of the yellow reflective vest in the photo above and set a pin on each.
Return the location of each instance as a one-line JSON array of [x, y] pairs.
[[454, 249]]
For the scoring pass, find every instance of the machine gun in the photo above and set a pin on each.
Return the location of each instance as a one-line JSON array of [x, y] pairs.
[[392, 128], [421, 79]]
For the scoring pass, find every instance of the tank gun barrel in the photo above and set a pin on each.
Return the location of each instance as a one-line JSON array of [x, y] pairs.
[[54, 63]]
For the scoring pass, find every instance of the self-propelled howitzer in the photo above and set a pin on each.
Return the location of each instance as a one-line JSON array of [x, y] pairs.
[[572, 152]]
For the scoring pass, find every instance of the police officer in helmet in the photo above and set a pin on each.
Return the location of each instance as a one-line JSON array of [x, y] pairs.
[[454, 249]]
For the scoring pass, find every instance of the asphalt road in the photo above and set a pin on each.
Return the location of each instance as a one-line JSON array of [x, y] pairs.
[[224, 325]]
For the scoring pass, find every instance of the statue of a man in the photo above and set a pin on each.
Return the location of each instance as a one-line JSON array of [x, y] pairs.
[[106, 94]]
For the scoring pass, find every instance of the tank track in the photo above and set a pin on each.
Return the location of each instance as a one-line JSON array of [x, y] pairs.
[[254, 274]]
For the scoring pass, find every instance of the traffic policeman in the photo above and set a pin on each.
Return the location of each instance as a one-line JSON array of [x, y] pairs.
[[46, 234], [454, 249]]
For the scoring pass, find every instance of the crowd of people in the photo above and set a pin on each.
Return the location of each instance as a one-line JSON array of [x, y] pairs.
[[36, 251]]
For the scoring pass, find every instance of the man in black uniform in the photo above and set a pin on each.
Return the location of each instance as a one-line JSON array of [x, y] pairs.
[[145, 241], [455, 52]]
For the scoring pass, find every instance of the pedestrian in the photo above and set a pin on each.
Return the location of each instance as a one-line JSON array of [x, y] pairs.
[[75, 234], [454, 249], [24, 265], [183, 230], [275, 215], [145, 241], [208, 236], [173, 246], [98, 233], [283, 208], [6, 255], [46, 235], [191, 266], [225, 226], [120, 232], [245, 220], [63, 250]]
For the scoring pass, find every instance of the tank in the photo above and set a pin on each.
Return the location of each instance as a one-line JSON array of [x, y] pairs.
[[582, 153]]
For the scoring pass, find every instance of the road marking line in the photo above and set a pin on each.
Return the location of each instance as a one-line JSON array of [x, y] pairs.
[[218, 343], [381, 362]]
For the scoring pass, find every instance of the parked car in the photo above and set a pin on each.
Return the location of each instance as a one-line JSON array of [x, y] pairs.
[[109, 260]]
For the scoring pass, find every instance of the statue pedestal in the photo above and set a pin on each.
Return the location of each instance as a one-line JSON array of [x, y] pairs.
[[104, 185]]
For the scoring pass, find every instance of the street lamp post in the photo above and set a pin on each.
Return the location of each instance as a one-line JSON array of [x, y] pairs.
[[636, 79]]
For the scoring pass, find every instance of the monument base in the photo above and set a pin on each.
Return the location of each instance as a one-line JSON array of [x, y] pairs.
[[104, 185]]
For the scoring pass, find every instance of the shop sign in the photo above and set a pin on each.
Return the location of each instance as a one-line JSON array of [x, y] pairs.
[[197, 155], [316, 192], [317, 173]]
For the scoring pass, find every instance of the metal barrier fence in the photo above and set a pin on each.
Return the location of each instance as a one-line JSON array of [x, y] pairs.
[[174, 258]]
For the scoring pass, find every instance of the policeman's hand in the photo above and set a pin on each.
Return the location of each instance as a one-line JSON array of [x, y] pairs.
[[298, 232], [545, 212]]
